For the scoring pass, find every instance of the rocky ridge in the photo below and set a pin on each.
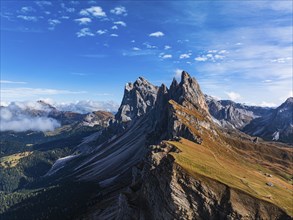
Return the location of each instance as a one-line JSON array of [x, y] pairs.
[[141, 171], [159, 188]]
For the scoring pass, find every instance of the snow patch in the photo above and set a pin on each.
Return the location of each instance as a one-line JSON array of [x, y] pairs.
[[276, 136]]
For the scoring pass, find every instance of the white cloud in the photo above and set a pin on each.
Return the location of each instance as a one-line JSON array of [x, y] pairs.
[[185, 56], [53, 23], [267, 81], [29, 124], [43, 3], [95, 11], [70, 10], [178, 73], [84, 32], [122, 23], [157, 34], [114, 27], [120, 10], [83, 21], [167, 47], [281, 60], [201, 59], [136, 48], [101, 32], [11, 82], [64, 17], [167, 56], [17, 117], [149, 46], [27, 18], [233, 96], [267, 104], [27, 9], [114, 35], [212, 55]]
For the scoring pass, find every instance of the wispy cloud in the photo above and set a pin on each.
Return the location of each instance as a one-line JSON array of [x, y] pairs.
[[101, 32], [27, 18], [233, 96], [157, 34], [84, 32], [167, 47], [95, 11], [211, 55], [149, 46], [122, 23], [185, 55], [11, 82], [31, 92], [43, 3], [120, 10], [83, 21], [177, 74], [27, 9], [53, 23], [114, 35], [166, 56], [94, 55], [79, 74]]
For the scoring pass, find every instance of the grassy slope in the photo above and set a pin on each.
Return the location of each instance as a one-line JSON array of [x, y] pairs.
[[13, 160], [238, 163], [229, 168]]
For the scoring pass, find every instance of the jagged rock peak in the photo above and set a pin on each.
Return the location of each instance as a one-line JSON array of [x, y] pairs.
[[188, 90], [184, 76], [139, 97]]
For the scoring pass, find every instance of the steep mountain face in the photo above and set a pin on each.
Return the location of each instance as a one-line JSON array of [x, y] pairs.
[[234, 115], [278, 125], [138, 99], [172, 161]]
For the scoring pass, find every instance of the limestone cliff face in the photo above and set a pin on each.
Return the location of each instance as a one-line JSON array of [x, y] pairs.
[[138, 99], [188, 93]]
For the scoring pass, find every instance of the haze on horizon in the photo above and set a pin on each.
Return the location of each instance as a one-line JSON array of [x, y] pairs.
[[70, 51]]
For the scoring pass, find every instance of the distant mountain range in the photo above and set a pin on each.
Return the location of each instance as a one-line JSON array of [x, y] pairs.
[[272, 124], [169, 153]]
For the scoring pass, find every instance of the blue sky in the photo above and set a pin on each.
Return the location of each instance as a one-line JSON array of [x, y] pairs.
[[88, 50]]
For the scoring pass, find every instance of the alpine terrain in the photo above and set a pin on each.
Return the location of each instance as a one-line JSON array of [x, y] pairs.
[[169, 153]]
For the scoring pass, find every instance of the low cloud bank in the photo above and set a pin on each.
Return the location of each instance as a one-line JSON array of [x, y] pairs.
[[33, 116], [26, 116]]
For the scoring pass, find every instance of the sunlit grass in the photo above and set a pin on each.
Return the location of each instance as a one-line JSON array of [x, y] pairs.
[[225, 165], [13, 160]]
